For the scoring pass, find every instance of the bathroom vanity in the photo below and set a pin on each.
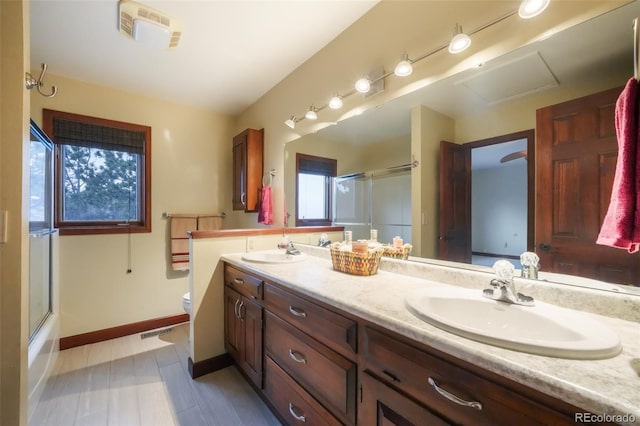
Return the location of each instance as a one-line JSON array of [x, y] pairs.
[[324, 347]]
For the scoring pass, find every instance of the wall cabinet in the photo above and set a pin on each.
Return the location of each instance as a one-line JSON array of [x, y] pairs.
[[247, 169], [325, 366]]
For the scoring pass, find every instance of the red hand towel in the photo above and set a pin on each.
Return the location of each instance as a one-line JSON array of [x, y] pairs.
[[265, 212], [621, 225]]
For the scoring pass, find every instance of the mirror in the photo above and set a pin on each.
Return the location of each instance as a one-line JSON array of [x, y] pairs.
[[585, 59]]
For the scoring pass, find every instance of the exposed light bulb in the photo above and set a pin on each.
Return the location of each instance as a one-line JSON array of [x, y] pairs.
[[291, 123], [530, 8], [404, 67], [363, 85], [460, 40], [311, 114], [335, 102]]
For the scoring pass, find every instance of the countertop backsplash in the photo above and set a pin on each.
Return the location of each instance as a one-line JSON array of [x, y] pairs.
[[596, 301]]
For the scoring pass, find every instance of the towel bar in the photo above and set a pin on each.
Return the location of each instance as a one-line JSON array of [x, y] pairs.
[[194, 215]]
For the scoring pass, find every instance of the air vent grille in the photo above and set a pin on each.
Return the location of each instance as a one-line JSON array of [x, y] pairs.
[[130, 11], [154, 16], [126, 23]]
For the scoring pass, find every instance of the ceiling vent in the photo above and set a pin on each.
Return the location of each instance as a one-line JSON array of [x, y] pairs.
[[147, 25], [514, 79]]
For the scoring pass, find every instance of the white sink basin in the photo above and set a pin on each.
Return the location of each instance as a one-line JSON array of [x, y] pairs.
[[273, 256], [542, 329]]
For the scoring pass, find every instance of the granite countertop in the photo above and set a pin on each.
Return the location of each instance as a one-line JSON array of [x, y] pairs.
[[608, 386]]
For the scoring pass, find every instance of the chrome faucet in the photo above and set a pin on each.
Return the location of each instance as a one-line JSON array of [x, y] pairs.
[[530, 265], [291, 249], [503, 289], [287, 244]]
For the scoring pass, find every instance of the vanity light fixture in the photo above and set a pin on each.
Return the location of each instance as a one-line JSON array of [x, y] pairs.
[[404, 67], [530, 8], [311, 114], [291, 123], [460, 40], [336, 102], [363, 85], [374, 83]]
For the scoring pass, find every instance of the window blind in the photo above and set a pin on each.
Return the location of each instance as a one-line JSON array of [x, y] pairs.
[[68, 132]]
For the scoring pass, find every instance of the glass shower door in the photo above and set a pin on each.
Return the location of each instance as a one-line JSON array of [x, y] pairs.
[[352, 204], [40, 228], [378, 200], [391, 206]]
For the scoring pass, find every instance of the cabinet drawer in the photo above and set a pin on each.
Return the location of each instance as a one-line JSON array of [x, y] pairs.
[[243, 283], [409, 370], [332, 329], [292, 402], [326, 375], [381, 405]]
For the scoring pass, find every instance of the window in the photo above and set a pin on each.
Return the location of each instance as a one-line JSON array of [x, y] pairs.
[[313, 194], [102, 179]]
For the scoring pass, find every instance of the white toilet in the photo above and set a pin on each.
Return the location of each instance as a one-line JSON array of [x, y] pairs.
[[186, 302]]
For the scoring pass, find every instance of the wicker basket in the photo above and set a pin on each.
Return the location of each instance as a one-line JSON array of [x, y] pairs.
[[355, 263], [397, 252]]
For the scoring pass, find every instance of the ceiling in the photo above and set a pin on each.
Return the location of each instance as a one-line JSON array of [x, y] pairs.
[[214, 66], [588, 50]]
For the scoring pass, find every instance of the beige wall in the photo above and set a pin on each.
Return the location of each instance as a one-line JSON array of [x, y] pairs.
[[388, 153], [428, 128], [191, 160], [14, 191]]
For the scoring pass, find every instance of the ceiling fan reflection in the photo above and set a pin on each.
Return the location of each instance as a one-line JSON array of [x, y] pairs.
[[514, 156]]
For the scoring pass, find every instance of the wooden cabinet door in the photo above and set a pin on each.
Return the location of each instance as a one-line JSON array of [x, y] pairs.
[[576, 159], [380, 405], [240, 172], [248, 149], [232, 326], [243, 333], [251, 355]]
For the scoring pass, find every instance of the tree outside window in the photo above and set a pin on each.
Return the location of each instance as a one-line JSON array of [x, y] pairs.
[[102, 174]]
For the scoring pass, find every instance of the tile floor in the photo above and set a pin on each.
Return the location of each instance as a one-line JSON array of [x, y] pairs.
[[132, 381]]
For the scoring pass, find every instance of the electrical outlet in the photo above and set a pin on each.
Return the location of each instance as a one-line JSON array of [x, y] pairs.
[[251, 243]]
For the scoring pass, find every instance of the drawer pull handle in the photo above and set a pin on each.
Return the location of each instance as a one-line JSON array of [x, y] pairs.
[[297, 312], [295, 415], [392, 376], [235, 308], [297, 356], [240, 311], [451, 397], [238, 280]]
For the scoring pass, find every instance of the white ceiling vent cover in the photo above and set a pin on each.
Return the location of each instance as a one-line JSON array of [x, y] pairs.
[[148, 25]]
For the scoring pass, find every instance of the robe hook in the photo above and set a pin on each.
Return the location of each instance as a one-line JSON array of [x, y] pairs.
[[31, 82]]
